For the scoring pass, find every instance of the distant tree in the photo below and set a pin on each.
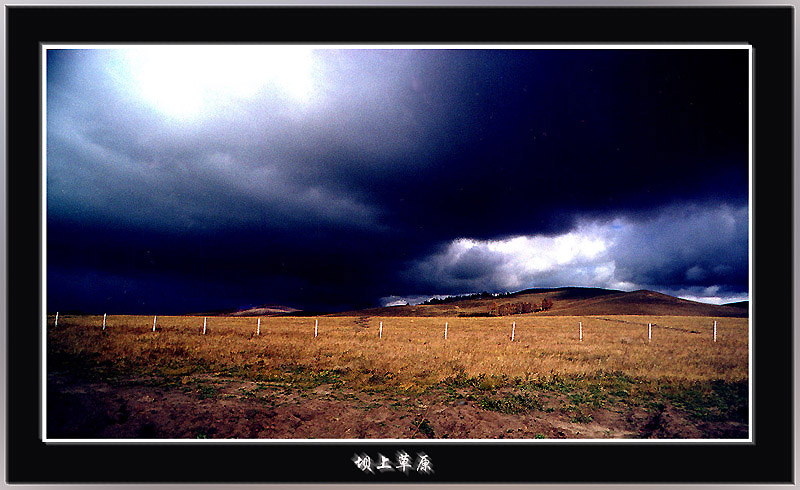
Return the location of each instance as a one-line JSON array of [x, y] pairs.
[[509, 308], [546, 304]]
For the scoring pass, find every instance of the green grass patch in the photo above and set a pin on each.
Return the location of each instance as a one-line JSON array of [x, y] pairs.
[[512, 404], [709, 401], [422, 426], [481, 382], [207, 391]]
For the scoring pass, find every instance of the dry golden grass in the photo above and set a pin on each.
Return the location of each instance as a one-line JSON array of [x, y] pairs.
[[412, 350]]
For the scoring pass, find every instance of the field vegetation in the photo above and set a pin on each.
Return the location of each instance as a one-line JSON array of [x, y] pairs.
[[545, 369], [411, 351]]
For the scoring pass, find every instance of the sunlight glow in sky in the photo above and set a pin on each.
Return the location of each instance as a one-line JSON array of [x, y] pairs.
[[187, 82]]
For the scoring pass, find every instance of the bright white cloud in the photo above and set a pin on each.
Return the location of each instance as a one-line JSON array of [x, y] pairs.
[[578, 257]]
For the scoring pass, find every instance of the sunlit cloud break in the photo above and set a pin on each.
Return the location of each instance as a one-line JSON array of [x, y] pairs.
[[619, 254]]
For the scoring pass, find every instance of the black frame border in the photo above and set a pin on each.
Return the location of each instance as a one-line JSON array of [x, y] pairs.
[[770, 30]]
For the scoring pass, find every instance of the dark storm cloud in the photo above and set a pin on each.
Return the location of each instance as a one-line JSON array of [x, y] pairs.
[[339, 195], [475, 263], [690, 247]]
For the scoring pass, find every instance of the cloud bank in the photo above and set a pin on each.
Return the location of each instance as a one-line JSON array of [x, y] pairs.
[[700, 248]]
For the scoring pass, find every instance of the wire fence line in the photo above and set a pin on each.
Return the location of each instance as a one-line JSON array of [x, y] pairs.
[[365, 322], [645, 324]]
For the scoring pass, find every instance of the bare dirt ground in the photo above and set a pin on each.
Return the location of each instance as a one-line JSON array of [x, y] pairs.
[[208, 406]]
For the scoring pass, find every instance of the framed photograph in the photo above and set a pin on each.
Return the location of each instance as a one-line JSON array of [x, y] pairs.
[[385, 244]]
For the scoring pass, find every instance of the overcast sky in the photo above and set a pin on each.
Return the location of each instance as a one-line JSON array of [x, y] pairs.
[[187, 179]]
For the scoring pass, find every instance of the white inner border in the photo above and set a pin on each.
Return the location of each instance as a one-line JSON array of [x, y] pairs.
[[410, 442]]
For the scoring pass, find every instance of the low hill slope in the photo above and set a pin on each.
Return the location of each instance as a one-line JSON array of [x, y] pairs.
[[567, 302], [263, 310], [643, 302], [740, 304], [267, 310]]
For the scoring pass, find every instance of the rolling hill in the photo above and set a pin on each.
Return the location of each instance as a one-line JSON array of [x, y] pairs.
[[739, 304], [568, 301], [263, 310]]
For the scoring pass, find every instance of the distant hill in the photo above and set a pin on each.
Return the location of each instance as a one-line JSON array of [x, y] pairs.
[[567, 301], [266, 310], [739, 304], [643, 302], [263, 310]]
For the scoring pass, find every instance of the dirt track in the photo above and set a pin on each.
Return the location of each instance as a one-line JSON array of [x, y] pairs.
[[207, 406]]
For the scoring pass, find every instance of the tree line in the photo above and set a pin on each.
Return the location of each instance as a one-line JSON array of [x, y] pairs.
[[462, 297], [517, 308]]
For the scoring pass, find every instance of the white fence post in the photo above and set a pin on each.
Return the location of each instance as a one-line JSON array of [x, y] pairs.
[[380, 331], [445, 330], [205, 321], [649, 332], [316, 326], [715, 330], [580, 331], [104, 320], [513, 327], [154, 323], [258, 332], [56, 319]]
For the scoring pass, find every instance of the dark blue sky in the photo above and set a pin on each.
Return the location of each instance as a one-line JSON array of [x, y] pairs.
[[184, 180]]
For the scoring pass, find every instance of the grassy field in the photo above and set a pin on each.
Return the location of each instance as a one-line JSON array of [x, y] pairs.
[[613, 366], [411, 350]]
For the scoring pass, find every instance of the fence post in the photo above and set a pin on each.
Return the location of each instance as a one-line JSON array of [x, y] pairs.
[[513, 327], [104, 321], [258, 332], [649, 332], [380, 331], [316, 325], [715, 330], [580, 331], [154, 323], [205, 320], [56, 319]]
